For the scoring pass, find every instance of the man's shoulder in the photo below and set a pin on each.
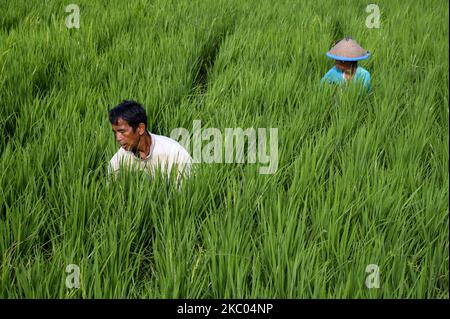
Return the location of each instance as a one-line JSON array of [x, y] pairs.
[[120, 154], [333, 75], [363, 72], [164, 142], [168, 146], [332, 71]]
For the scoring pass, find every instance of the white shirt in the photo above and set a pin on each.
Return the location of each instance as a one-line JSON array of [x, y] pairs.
[[164, 154]]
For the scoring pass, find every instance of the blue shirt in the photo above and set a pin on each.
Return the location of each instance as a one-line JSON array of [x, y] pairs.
[[335, 76]]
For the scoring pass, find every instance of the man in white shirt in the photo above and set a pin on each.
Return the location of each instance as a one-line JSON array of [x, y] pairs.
[[141, 149]]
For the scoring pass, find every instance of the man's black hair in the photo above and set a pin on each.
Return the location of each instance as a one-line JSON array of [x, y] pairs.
[[130, 111]]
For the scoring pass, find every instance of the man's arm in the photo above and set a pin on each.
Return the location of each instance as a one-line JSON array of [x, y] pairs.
[[113, 167], [184, 167], [327, 77]]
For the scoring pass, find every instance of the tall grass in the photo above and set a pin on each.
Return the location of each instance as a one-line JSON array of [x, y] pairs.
[[361, 179]]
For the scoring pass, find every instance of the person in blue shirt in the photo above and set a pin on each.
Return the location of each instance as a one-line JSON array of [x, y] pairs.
[[346, 54]]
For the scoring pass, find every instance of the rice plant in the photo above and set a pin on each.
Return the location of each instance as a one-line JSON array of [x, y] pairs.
[[361, 179]]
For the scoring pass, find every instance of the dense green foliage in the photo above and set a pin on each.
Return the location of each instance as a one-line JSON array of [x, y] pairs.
[[362, 179]]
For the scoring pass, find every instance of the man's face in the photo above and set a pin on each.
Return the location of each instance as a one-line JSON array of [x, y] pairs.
[[344, 66], [128, 139]]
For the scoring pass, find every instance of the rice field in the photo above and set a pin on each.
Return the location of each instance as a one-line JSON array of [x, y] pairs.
[[362, 179]]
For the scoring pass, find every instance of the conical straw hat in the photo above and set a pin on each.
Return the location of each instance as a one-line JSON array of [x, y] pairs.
[[348, 50]]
